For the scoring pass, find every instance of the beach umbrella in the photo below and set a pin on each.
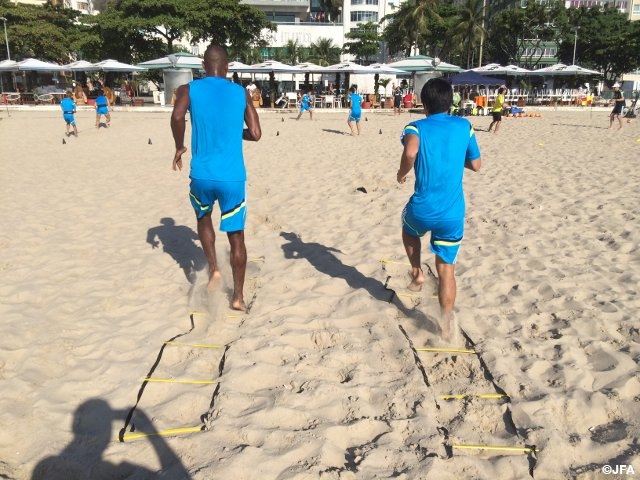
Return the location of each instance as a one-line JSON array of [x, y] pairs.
[[497, 69], [562, 69], [272, 66], [110, 65], [473, 78], [239, 67], [386, 69], [8, 66], [175, 60], [423, 63], [78, 66], [32, 64]]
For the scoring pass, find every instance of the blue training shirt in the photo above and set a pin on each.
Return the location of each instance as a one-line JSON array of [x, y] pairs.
[[67, 105], [217, 109], [356, 102], [446, 142]]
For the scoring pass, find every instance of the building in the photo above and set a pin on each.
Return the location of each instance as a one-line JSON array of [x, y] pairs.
[[83, 6]]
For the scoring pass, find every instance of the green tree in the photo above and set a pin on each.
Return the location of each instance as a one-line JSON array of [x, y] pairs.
[[607, 41], [468, 31], [143, 22], [364, 42], [293, 52], [45, 32], [513, 32], [324, 52]]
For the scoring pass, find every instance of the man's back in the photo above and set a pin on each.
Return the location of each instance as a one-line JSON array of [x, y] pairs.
[[217, 114], [67, 105], [446, 142]]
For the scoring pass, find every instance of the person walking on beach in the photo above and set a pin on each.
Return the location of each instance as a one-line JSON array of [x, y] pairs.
[[618, 105], [305, 105], [219, 110], [397, 101], [355, 100], [496, 111], [68, 107], [438, 148], [102, 108]]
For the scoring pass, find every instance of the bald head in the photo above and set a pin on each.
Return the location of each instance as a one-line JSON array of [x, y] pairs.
[[216, 61]]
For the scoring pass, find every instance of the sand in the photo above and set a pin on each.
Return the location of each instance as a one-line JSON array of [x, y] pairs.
[[324, 376]]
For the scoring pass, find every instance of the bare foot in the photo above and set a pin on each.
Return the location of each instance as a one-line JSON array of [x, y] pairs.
[[237, 303], [214, 281], [417, 279], [448, 327]]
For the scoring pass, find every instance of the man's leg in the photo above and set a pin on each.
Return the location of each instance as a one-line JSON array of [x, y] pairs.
[[238, 268], [412, 246], [498, 123], [446, 296], [207, 237]]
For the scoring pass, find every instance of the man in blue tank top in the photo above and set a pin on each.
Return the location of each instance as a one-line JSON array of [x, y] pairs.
[[438, 148], [219, 110]]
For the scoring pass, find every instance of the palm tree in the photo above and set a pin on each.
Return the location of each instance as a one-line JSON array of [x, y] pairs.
[[469, 29], [293, 52], [324, 52]]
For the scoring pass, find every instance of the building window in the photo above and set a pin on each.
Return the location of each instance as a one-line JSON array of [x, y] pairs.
[[358, 16], [364, 2], [636, 9], [195, 50]]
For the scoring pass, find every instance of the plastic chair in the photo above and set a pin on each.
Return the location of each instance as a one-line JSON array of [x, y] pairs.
[[329, 101], [292, 99]]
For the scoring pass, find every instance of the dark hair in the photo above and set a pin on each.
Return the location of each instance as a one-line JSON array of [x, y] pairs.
[[437, 95]]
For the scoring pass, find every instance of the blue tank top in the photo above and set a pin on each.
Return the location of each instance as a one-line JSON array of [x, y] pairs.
[[217, 109]]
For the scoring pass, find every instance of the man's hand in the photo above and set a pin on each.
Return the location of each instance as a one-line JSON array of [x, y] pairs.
[[177, 158], [401, 178]]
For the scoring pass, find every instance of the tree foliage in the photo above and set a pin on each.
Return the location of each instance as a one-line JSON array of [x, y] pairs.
[[364, 42], [324, 52], [45, 32], [606, 41]]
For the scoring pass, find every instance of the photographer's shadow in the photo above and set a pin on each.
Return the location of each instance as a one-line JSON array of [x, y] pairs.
[[82, 458], [179, 242]]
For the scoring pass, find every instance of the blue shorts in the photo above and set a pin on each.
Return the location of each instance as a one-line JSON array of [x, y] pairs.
[[446, 235], [305, 108], [102, 110], [354, 117], [68, 117], [230, 196]]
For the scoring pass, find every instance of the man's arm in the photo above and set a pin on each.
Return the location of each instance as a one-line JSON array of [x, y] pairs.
[[409, 155], [473, 164], [178, 124], [253, 132]]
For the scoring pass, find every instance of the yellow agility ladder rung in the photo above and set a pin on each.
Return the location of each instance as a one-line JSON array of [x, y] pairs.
[[199, 345], [445, 350], [200, 314], [482, 395], [498, 448], [175, 380], [172, 431], [394, 261]]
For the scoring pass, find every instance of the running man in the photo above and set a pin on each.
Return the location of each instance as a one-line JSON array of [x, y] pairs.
[[356, 110], [68, 107], [219, 110], [102, 108], [438, 148], [305, 105]]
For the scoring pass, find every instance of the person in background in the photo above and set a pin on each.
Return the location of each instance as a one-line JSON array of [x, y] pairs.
[[438, 148], [68, 107], [219, 111], [355, 100], [306, 105], [102, 108], [496, 111], [397, 101], [618, 105]]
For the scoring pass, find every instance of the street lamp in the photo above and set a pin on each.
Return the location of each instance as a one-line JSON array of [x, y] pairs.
[[6, 39], [575, 43]]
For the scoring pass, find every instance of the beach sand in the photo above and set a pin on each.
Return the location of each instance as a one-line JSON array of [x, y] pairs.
[[324, 377]]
